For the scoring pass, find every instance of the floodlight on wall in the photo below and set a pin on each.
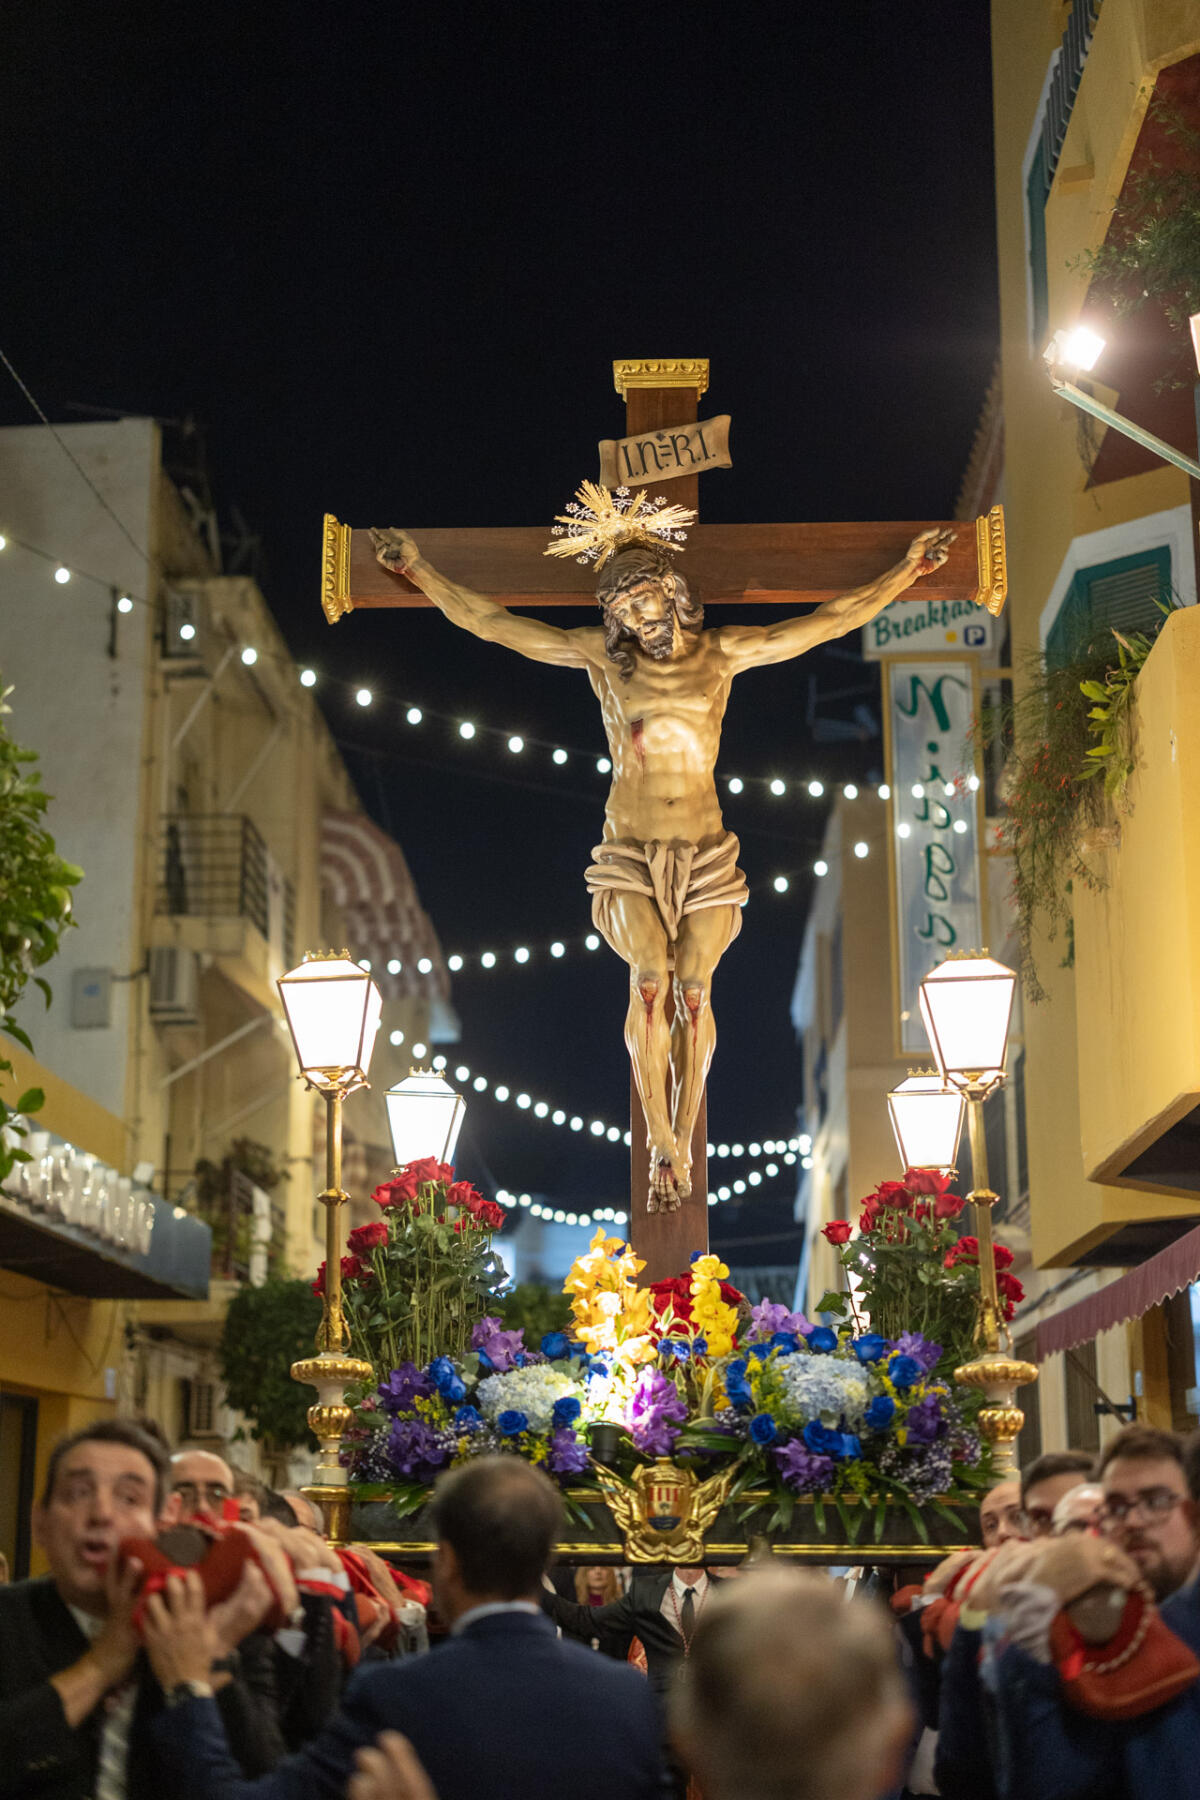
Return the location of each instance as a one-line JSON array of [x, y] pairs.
[[927, 1120], [1076, 352], [425, 1116]]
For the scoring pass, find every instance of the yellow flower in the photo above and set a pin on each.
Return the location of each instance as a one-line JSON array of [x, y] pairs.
[[708, 1268]]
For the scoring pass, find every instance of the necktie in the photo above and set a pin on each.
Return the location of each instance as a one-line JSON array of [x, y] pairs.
[[687, 1617]]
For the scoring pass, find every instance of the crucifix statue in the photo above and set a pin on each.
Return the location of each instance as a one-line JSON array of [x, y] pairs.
[[666, 889]]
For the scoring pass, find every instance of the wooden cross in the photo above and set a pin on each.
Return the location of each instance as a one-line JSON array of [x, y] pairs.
[[727, 565]]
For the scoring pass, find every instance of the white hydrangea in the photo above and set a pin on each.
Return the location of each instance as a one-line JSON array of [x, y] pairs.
[[532, 1391], [824, 1388]]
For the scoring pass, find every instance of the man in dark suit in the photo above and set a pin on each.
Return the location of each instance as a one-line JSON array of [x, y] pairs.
[[661, 1608], [76, 1695], [503, 1711]]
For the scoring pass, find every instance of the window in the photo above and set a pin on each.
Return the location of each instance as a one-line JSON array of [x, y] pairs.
[[1125, 593], [1045, 146]]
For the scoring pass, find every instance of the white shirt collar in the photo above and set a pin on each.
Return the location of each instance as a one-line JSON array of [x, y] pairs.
[[699, 1588]]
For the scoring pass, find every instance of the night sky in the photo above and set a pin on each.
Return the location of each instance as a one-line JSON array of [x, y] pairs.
[[383, 258]]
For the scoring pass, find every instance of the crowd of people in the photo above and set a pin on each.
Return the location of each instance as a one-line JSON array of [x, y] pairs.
[[197, 1637]]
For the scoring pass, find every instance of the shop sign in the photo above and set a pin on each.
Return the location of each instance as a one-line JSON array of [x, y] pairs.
[[935, 813], [923, 627]]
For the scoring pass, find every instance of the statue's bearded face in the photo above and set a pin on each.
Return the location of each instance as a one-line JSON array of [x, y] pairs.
[[646, 610]]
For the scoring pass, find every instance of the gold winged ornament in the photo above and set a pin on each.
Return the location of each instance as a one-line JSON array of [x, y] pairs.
[[664, 1512]]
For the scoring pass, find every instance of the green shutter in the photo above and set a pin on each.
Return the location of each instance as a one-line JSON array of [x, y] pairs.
[[1124, 593]]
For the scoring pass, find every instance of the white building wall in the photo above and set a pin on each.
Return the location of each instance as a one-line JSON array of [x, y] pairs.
[[82, 708]]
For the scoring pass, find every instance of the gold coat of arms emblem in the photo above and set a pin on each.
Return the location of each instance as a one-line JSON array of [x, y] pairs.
[[664, 1512]]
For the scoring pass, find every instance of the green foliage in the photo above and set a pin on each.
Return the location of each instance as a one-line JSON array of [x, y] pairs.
[[535, 1309], [35, 910], [1152, 249], [233, 1235], [266, 1330], [1070, 724]]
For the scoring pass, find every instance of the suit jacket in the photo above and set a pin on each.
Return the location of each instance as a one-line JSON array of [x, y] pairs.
[[638, 1613], [505, 1711], [40, 1756]]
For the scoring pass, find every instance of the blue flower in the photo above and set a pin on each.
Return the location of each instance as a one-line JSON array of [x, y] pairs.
[[555, 1345], [736, 1385], [851, 1448], [880, 1413], [787, 1341], [762, 1429], [822, 1340], [696, 1255], [700, 1345], [904, 1370], [512, 1423], [760, 1352], [468, 1418], [822, 1440], [869, 1347], [566, 1411], [447, 1379], [597, 1368], [679, 1348]]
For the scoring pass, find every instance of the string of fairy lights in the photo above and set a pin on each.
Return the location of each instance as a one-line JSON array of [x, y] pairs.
[[747, 1183], [522, 747]]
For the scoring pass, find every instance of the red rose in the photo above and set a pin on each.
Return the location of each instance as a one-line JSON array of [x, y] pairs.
[[490, 1214], [428, 1168], [464, 1196], [1003, 1256], [893, 1194], [867, 1222], [318, 1286], [926, 1181], [365, 1238], [921, 1211], [947, 1206], [1011, 1292], [398, 1192], [837, 1231]]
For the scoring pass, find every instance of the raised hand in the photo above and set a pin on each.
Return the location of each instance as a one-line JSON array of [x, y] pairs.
[[929, 550], [393, 548], [390, 1770]]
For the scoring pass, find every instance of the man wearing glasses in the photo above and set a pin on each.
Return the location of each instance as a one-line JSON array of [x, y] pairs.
[[201, 1482], [1148, 1511]]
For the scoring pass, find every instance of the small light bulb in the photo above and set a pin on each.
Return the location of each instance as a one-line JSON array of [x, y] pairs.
[[884, 791], [466, 729], [973, 783], [736, 784], [816, 789], [488, 959], [424, 966], [558, 1117], [394, 966], [521, 954], [524, 1200], [480, 1084], [62, 576], [454, 964], [806, 1162], [626, 1139], [308, 678], [772, 1169], [754, 1178], [462, 1073], [576, 1123], [414, 715], [778, 787], [722, 1149], [535, 1211], [960, 826], [420, 1051], [821, 867], [591, 941], [850, 792], [739, 1187], [249, 656], [603, 766], [862, 849], [790, 1157], [559, 1216], [516, 745], [364, 962], [613, 1134], [187, 633], [903, 830], [738, 1150], [755, 1149], [723, 1193], [524, 1101], [597, 1128], [560, 757], [918, 790], [396, 1038], [3, 542], [558, 949], [540, 1110], [439, 1063], [364, 696], [949, 789], [781, 884], [501, 1092], [124, 604]]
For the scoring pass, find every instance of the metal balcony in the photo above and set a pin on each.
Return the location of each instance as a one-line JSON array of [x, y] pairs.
[[217, 866]]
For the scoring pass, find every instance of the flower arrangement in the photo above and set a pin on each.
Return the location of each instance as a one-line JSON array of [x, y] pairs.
[[689, 1370], [418, 1278], [908, 1269]]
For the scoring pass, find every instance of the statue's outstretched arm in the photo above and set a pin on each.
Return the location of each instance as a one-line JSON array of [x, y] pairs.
[[476, 613], [753, 646]]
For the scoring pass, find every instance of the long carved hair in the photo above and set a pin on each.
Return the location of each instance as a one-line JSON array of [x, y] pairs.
[[625, 570]]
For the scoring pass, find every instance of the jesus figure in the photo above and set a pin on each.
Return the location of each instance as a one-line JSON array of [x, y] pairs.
[[666, 890]]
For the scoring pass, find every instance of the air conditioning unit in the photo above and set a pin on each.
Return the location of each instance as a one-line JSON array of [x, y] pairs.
[[174, 987], [202, 1409], [183, 624]]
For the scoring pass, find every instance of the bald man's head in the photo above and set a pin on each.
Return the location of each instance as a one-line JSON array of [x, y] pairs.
[[201, 1482], [791, 1693]]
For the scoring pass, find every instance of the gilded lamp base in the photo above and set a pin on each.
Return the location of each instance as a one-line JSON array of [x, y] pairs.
[[1000, 1419], [328, 1420]]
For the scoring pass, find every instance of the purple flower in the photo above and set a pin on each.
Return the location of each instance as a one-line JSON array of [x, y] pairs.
[[402, 1387], [655, 1411], [414, 1449], [498, 1349], [925, 1422], [566, 1455], [803, 1471], [769, 1316], [920, 1349]]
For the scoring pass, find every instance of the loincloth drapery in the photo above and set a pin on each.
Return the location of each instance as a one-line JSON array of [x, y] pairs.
[[677, 876]]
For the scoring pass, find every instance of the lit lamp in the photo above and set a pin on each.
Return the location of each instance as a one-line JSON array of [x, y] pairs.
[[927, 1121], [332, 1008], [425, 1116], [966, 1003], [1076, 352]]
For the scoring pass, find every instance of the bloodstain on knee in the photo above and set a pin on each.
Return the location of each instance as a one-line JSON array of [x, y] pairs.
[[693, 999], [648, 989], [637, 731]]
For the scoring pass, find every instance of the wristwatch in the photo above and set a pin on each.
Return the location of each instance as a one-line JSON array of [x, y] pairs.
[[188, 1690]]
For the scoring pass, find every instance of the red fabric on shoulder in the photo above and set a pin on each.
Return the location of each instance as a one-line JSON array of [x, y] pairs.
[[223, 1554]]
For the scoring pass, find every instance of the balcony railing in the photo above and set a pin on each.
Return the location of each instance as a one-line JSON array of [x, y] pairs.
[[217, 866]]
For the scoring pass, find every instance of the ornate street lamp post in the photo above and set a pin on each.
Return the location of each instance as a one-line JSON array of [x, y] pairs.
[[425, 1116], [966, 1003], [927, 1121], [333, 1010]]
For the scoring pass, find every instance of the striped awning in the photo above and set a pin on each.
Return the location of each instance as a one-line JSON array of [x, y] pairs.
[[366, 877], [1129, 1297]]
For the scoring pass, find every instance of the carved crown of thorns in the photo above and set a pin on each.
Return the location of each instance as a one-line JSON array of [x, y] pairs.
[[598, 523]]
